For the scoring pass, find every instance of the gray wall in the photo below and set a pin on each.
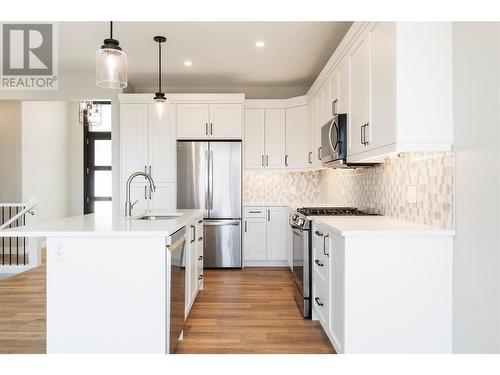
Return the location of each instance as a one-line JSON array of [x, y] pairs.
[[10, 151], [477, 184]]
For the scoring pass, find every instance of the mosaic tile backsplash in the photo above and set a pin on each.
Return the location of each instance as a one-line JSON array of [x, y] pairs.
[[382, 189]]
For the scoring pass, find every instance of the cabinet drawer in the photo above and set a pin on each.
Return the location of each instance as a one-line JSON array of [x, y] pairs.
[[321, 264], [320, 298], [255, 212]]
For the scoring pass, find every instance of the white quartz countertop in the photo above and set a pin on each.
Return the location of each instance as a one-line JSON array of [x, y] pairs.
[[378, 225], [107, 226]]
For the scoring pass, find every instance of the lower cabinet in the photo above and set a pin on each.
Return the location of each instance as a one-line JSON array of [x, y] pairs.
[[265, 236], [383, 293], [194, 262]]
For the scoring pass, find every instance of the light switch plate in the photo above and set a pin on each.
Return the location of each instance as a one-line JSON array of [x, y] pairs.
[[411, 195]]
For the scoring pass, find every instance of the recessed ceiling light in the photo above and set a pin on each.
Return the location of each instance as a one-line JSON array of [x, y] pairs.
[[259, 43], [188, 63]]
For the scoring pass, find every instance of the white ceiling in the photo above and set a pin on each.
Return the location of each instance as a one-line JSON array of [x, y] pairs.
[[224, 54]]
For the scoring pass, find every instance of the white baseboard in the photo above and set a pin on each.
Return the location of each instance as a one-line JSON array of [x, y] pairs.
[[265, 263]]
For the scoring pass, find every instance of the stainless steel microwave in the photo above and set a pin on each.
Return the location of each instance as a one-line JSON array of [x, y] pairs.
[[334, 141]]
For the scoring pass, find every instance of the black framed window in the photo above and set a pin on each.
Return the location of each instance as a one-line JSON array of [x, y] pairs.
[[98, 164]]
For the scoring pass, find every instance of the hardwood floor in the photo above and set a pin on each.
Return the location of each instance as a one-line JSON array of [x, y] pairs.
[[22, 312], [250, 311], [240, 311]]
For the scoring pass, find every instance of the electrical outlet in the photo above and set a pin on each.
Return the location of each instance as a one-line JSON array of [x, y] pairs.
[[60, 252], [411, 195]]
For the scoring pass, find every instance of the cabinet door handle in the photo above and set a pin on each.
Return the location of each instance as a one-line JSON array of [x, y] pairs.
[[206, 128], [267, 160], [200, 257], [200, 277], [268, 215], [286, 160], [309, 156], [150, 171], [317, 301], [145, 192], [200, 221], [364, 134], [194, 233], [262, 160], [245, 226], [319, 263], [318, 233], [200, 238], [324, 245], [361, 134], [319, 153], [211, 129], [150, 191]]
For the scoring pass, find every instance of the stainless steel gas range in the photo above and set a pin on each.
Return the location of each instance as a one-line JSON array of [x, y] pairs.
[[301, 225]]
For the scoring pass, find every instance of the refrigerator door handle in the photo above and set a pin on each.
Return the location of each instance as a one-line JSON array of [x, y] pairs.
[[207, 187], [211, 177]]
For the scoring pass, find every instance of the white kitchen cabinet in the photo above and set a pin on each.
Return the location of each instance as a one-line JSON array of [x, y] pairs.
[[255, 246], [297, 137], [161, 150], [369, 294], [381, 129], [392, 67], [254, 140], [226, 121], [134, 135], [216, 120], [343, 87], [192, 120], [358, 96], [333, 90], [148, 145], [275, 138], [265, 236], [314, 132], [194, 268], [163, 198], [277, 225]]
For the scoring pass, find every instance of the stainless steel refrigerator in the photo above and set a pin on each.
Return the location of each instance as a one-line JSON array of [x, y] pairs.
[[209, 177]]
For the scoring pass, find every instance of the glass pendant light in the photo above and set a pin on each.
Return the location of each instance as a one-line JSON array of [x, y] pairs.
[[159, 96], [111, 64]]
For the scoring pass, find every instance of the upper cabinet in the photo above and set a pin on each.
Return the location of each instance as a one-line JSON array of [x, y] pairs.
[[147, 141], [276, 134], [394, 81], [217, 120], [397, 70]]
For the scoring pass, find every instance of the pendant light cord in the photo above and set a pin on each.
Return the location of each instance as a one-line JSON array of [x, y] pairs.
[[159, 66], [111, 30]]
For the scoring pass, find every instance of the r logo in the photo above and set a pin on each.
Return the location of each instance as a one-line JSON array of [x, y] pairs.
[[27, 50]]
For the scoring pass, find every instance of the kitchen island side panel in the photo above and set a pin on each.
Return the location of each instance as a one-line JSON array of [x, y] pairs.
[[107, 295]]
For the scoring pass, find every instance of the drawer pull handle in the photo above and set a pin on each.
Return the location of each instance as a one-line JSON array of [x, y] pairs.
[[200, 221], [200, 239], [255, 212], [319, 263], [317, 301], [200, 277], [318, 233], [200, 257]]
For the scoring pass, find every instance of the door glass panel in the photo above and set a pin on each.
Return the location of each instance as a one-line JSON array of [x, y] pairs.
[[102, 152], [103, 207], [102, 184]]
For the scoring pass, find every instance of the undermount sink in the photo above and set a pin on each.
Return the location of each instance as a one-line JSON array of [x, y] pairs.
[[158, 217]]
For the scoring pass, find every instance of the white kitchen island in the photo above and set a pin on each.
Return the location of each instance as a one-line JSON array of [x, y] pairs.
[[108, 281]]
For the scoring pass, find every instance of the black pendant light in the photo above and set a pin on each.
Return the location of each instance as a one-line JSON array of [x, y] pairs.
[[159, 96], [111, 64]]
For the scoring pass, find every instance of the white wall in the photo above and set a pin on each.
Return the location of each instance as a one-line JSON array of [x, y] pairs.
[[10, 151], [45, 161], [476, 325], [75, 160]]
